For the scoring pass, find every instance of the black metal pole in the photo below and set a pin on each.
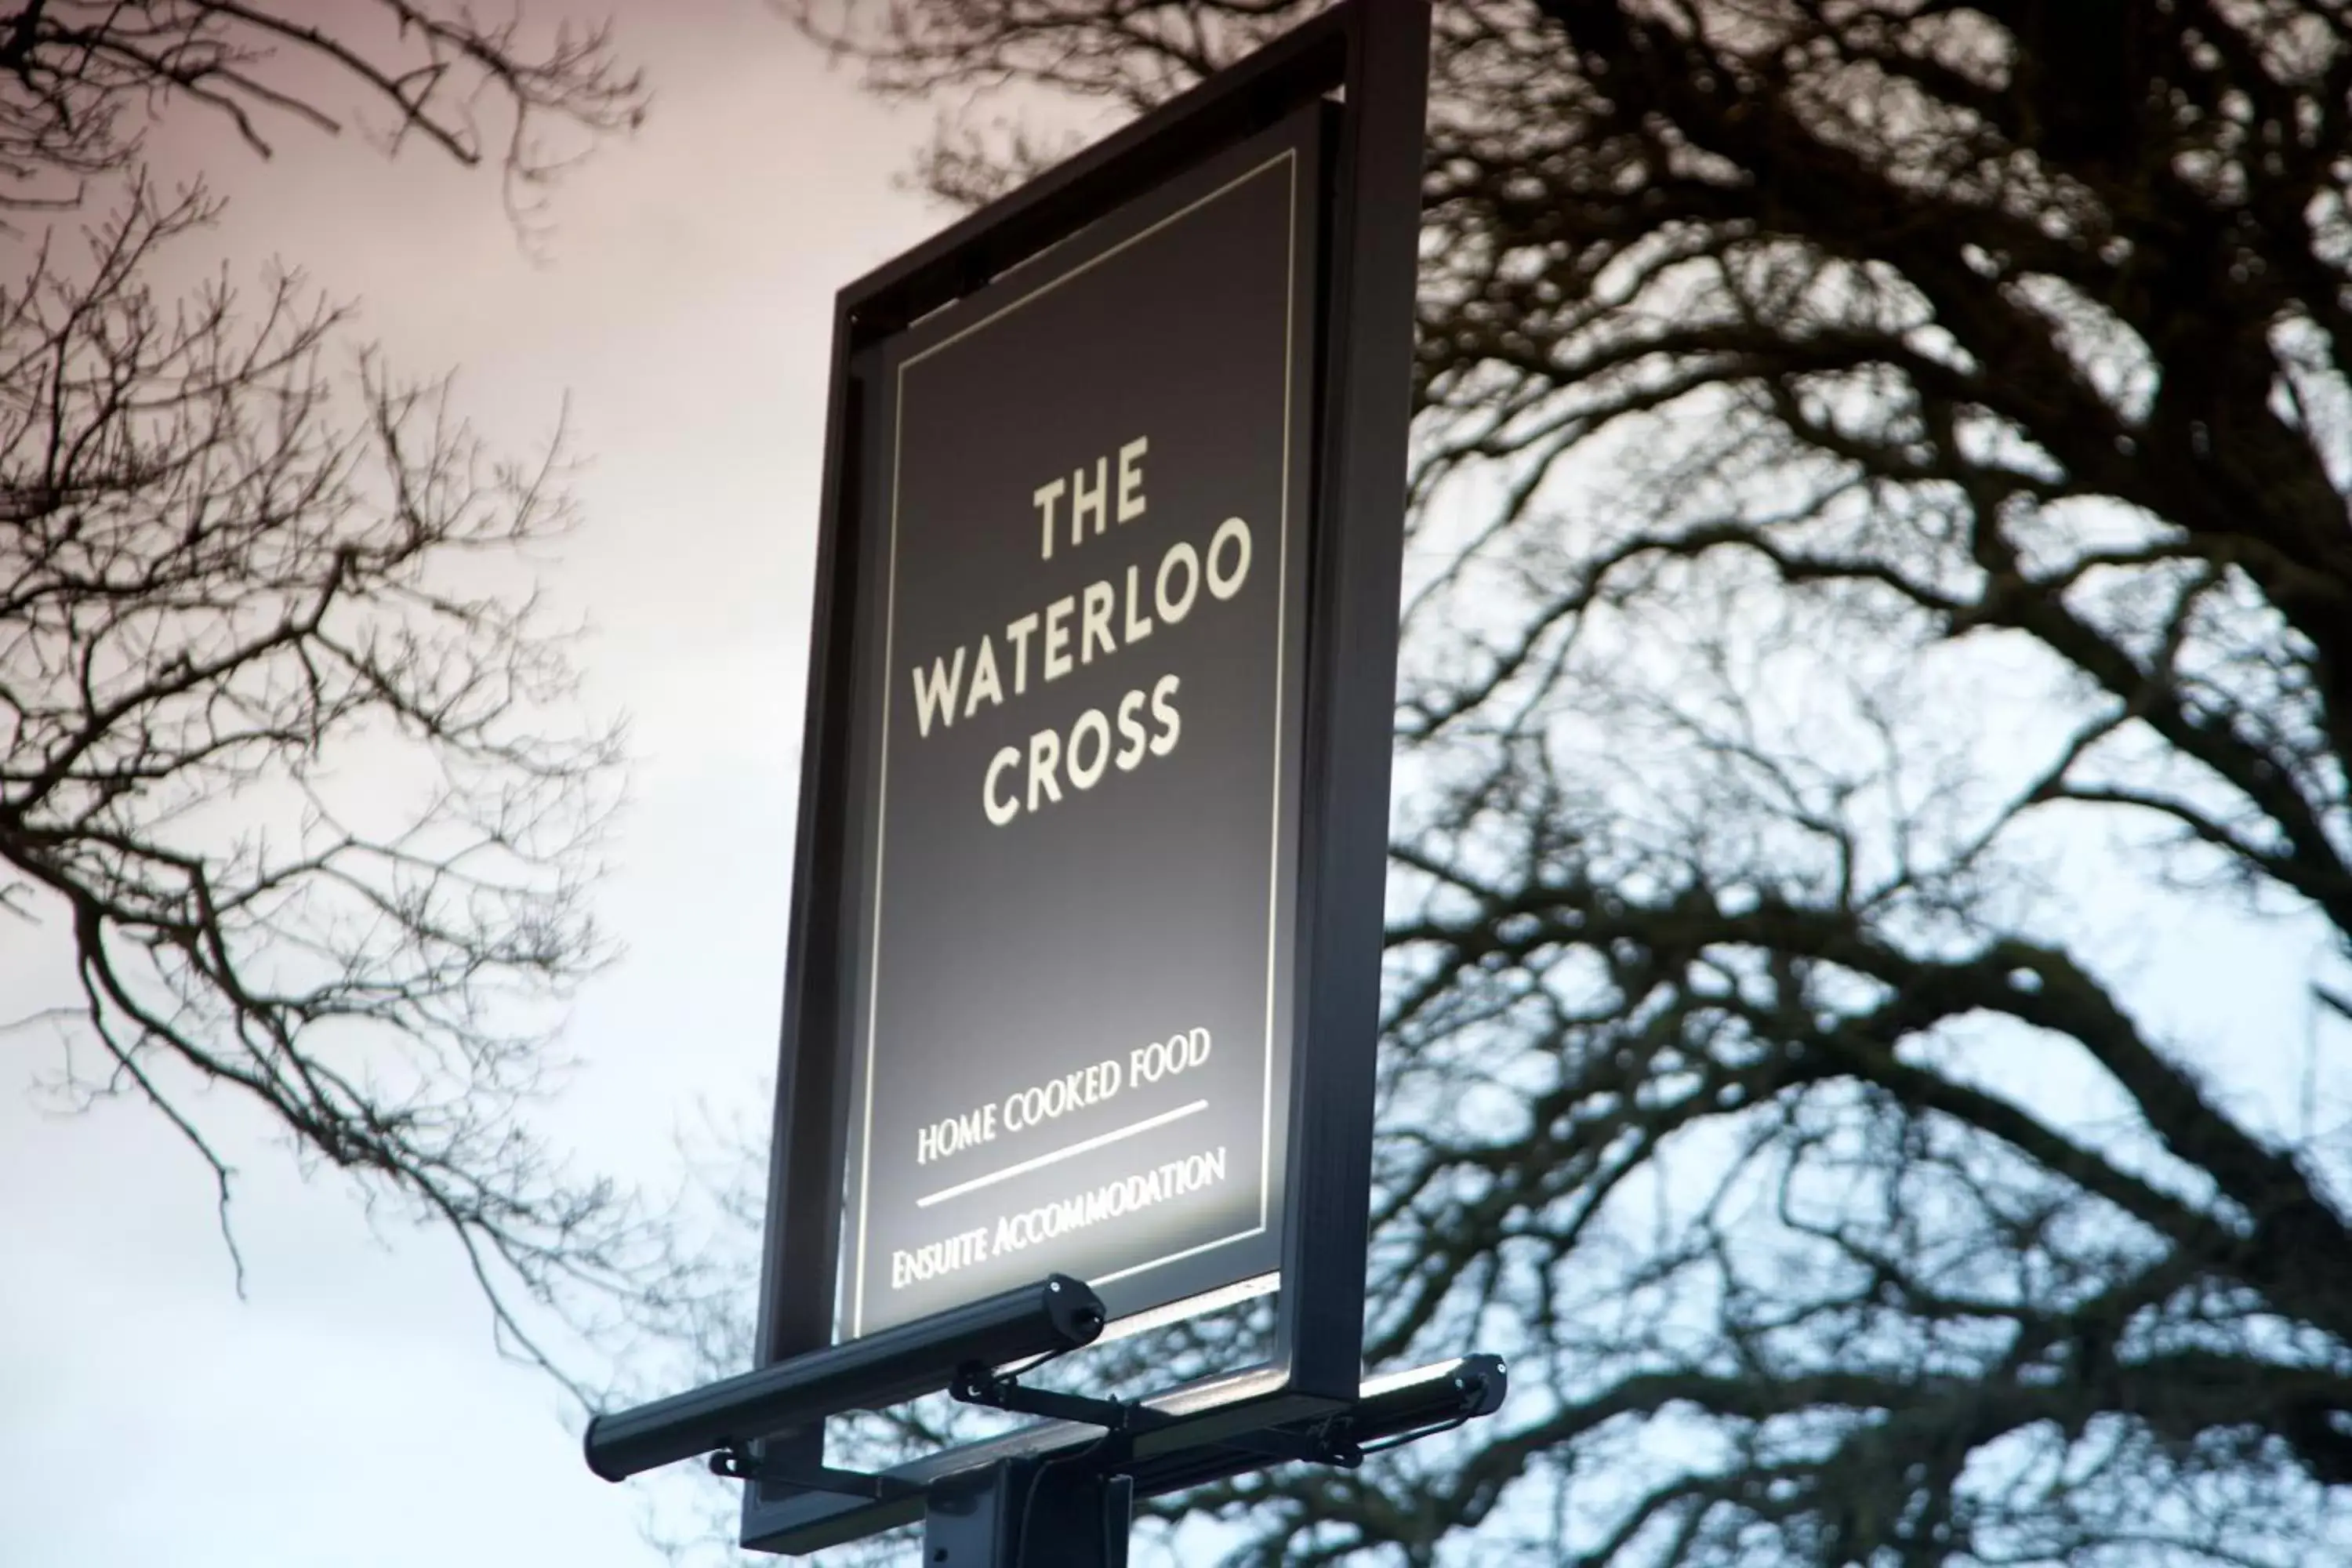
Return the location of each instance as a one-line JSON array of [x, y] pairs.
[[1030, 1513]]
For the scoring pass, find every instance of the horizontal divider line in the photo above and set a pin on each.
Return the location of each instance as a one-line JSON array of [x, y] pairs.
[[1083, 1146]]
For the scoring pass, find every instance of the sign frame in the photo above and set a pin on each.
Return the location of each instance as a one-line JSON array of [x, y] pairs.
[[1374, 55], [1013, 949]]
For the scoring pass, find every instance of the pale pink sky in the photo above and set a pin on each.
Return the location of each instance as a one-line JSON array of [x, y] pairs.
[[148, 1417]]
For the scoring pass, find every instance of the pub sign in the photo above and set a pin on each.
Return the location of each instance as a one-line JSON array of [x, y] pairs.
[[1083, 974], [1079, 668]]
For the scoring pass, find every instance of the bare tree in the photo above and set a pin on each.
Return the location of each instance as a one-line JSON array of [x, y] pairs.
[[284, 746], [83, 82], [1880, 563]]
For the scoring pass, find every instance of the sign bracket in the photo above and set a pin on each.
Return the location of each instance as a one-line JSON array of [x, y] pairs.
[[1070, 1505], [976, 1384], [742, 1463], [1323, 1442]]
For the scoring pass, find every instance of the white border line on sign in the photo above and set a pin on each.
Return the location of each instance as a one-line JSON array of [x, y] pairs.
[[1281, 664], [1288, 156], [1083, 1146]]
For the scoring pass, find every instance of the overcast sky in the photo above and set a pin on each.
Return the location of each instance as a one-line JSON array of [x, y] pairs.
[[351, 1410]]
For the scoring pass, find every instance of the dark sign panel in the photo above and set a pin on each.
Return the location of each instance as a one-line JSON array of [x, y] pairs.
[[1080, 666], [1082, 976]]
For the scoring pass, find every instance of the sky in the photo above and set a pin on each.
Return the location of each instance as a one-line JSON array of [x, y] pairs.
[[349, 1410]]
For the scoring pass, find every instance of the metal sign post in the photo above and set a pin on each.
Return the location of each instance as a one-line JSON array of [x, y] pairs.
[[1083, 977]]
